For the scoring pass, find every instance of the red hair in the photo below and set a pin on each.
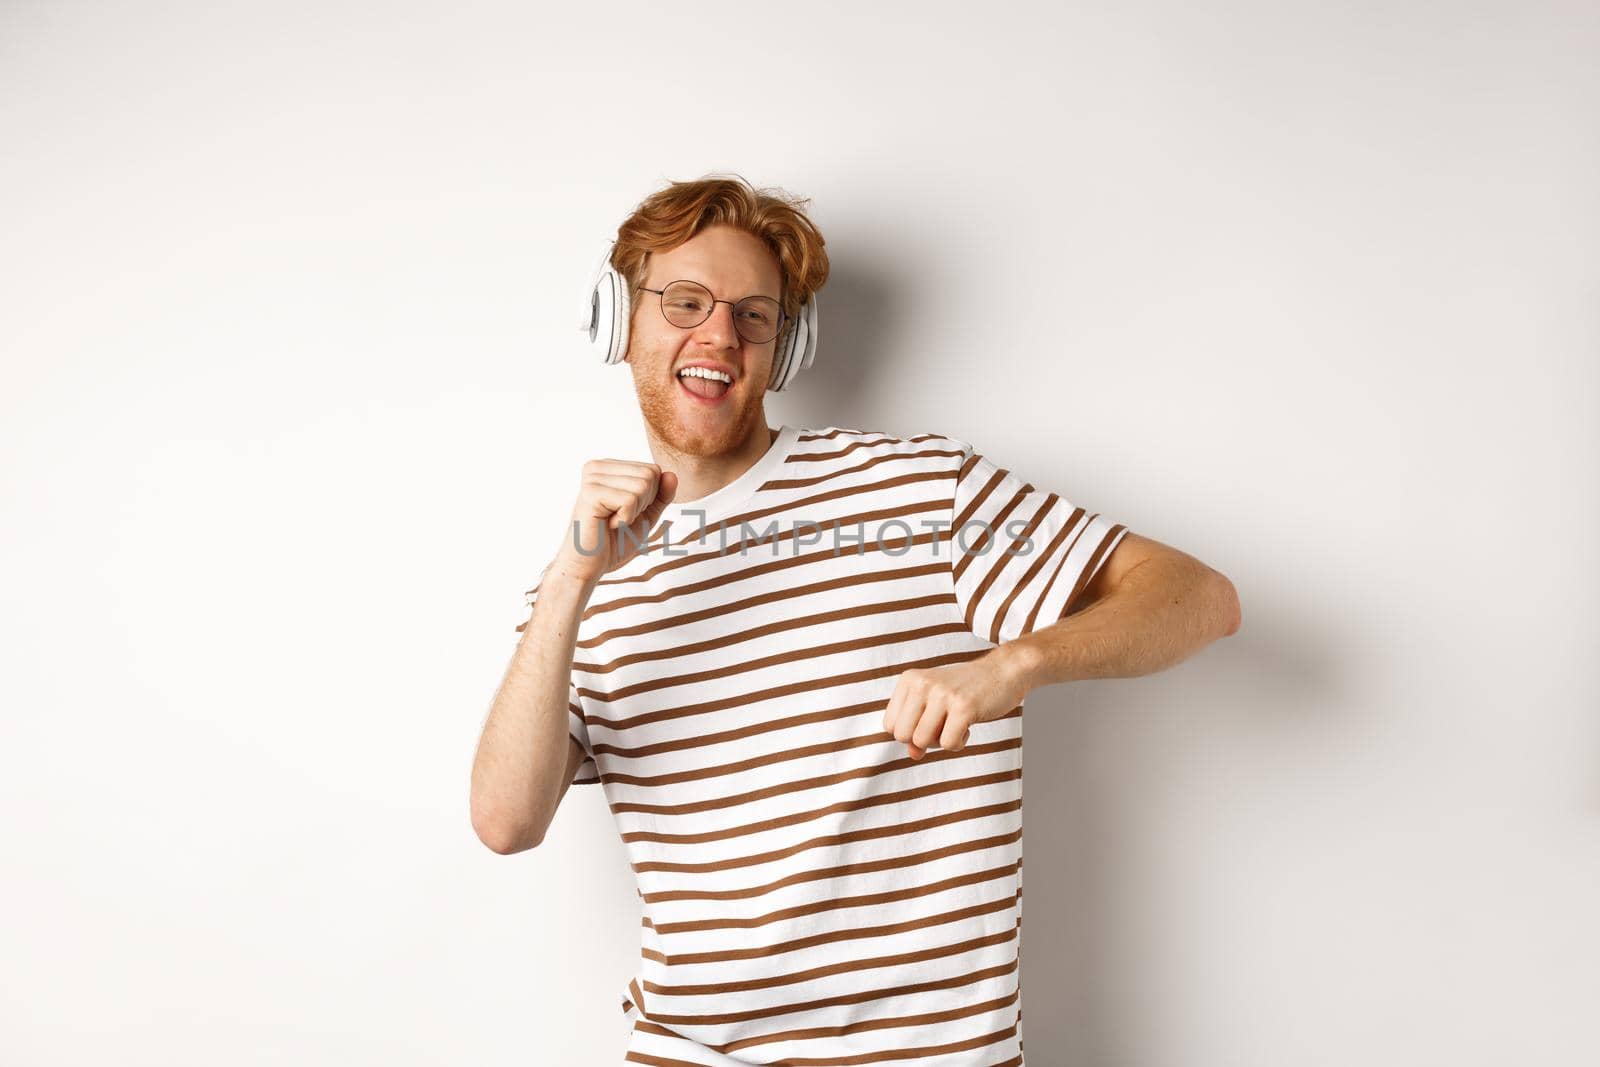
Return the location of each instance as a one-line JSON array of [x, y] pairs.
[[670, 216]]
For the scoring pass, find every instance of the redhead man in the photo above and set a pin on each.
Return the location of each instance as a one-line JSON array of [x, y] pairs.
[[795, 660]]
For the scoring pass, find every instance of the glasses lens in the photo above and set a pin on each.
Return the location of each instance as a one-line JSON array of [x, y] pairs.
[[756, 318], [685, 304]]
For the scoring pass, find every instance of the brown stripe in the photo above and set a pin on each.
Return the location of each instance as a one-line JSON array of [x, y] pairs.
[[986, 526], [1089, 568], [744, 700], [837, 1061], [776, 659], [931, 1018], [740, 550], [736, 523], [861, 611], [741, 732], [773, 981], [843, 870], [1004, 560], [638, 996], [697, 533], [1067, 528], [989, 540], [796, 818], [656, 537], [793, 592], [871, 833], [840, 453], [679, 744], [1028, 623], [653, 1060], [971, 461], [887, 457], [866, 997], [837, 746], [828, 937], [832, 903], [697, 773]]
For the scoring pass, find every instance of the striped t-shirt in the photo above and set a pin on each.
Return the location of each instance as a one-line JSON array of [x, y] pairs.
[[812, 894]]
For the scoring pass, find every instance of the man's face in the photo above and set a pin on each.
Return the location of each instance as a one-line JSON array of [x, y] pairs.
[[733, 265]]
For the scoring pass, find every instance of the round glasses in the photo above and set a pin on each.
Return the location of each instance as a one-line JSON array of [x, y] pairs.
[[687, 304]]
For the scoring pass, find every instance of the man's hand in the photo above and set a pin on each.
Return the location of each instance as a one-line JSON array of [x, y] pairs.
[[939, 705], [613, 495]]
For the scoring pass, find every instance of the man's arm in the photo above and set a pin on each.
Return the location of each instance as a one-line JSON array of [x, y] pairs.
[[1149, 607], [516, 786]]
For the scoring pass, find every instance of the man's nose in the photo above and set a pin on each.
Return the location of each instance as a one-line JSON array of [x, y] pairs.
[[719, 328]]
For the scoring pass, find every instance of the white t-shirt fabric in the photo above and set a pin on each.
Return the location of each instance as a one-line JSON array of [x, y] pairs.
[[812, 894]]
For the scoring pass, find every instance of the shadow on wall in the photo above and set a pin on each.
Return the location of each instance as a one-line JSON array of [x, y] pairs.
[[1107, 764], [851, 381]]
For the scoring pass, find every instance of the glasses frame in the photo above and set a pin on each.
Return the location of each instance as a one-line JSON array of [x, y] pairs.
[[661, 304]]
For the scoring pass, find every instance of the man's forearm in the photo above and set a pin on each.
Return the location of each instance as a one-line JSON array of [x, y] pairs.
[[1163, 611], [522, 755]]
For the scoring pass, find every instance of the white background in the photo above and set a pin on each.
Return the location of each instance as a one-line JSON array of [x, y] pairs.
[[293, 410]]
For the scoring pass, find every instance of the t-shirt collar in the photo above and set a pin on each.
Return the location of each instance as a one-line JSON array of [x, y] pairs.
[[686, 516]]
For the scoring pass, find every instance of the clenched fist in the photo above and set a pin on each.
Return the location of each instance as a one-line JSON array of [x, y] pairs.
[[614, 495], [937, 707]]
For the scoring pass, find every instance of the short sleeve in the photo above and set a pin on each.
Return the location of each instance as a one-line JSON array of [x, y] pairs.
[[1020, 556], [577, 728]]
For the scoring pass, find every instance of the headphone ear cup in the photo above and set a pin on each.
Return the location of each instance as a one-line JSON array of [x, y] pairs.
[[799, 348], [607, 314]]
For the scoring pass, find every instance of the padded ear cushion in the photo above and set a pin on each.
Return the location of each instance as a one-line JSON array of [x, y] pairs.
[[781, 354], [798, 350], [621, 316], [810, 351]]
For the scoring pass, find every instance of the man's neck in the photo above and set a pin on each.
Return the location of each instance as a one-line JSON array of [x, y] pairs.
[[700, 476]]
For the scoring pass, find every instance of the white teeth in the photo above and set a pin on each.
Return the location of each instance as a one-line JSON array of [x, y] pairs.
[[705, 372]]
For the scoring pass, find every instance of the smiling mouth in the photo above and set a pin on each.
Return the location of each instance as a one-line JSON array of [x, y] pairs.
[[703, 384]]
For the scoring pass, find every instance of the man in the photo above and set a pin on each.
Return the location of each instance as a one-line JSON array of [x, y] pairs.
[[796, 661]]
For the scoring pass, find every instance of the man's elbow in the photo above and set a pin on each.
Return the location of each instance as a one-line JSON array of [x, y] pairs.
[[1227, 602], [503, 835]]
